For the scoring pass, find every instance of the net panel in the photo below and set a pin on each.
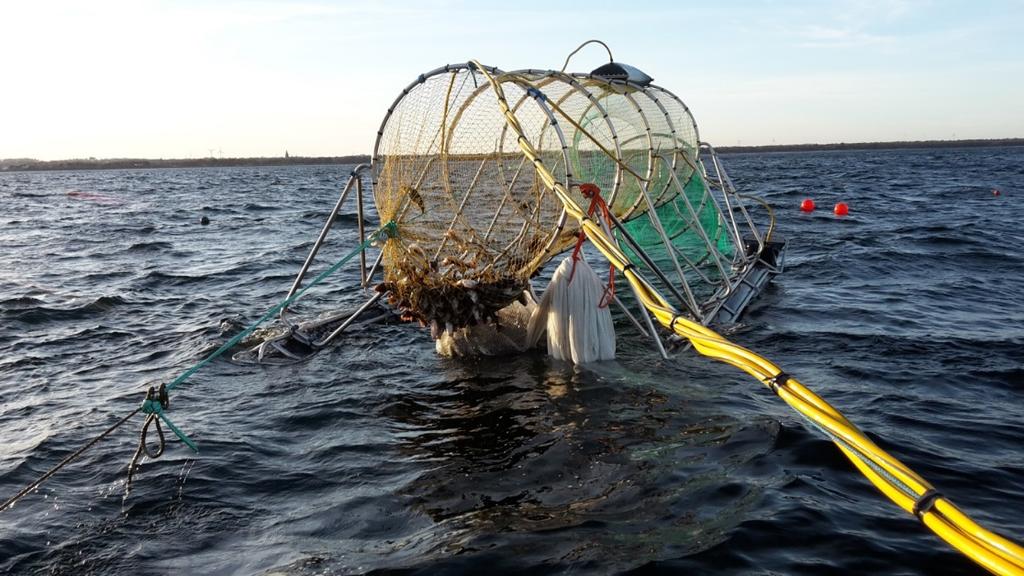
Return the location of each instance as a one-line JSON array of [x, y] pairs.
[[682, 226], [634, 145], [473, 217], [691, 220]]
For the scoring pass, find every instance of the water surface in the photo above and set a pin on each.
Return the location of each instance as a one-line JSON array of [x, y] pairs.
[[379, 456]]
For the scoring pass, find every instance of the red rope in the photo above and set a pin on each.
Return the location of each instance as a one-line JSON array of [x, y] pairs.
[[593, 193]]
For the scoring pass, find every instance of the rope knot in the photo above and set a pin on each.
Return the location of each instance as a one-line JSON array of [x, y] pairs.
[[589, 190], [156, 400], [389, 230]]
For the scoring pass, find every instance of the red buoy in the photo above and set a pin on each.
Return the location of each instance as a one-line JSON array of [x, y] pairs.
[[807, 205], [841, 209]]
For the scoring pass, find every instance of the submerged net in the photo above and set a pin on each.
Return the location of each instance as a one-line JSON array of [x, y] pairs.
[[474, 220]]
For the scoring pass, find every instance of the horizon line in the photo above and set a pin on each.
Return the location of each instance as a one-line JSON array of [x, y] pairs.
[[7, 163]]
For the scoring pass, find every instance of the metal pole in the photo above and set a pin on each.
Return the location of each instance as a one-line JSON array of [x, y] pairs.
[[373, 300], [320, 239], [376, 263], [353, 177], [650, 326], [650, 264], [651, 330], [726, 184], [362, 230], [629, 315], [652, 215]]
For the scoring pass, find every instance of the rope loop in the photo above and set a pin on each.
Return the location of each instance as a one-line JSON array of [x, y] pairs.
[[152, 418], [153, 405]]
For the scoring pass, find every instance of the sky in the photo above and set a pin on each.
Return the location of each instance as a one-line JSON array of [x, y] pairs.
[[189, 79]]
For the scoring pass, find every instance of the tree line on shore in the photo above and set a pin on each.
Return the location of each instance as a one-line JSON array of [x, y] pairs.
[[896, 145], [24, 164]]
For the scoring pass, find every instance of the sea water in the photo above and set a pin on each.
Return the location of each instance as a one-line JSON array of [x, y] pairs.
[[379, 456]]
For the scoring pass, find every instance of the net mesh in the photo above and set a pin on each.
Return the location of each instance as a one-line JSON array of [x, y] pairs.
[[474, 220]]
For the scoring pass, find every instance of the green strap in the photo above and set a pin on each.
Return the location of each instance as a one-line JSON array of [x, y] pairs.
[[152, 406]]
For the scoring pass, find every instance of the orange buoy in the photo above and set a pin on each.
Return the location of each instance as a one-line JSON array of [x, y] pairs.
[[841, 209], [807, 205]]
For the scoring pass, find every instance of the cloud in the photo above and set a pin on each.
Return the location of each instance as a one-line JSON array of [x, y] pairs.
[[818, 36], [852, 23]]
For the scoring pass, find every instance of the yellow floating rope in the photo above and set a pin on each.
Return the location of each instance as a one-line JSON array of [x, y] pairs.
[[893, 478]]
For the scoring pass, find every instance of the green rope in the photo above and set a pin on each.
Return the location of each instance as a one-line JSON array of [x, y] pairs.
[[154, 407], [389, 230]]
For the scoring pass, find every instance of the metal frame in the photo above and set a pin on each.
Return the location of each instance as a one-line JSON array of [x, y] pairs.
[[740, 277]]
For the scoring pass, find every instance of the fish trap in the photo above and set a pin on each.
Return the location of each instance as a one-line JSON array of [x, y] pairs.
[[467, 172], [476, 221]]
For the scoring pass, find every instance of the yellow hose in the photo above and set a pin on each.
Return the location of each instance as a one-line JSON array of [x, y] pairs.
[[893, 478]]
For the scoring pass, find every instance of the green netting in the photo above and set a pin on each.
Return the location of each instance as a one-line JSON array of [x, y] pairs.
[[678, 222]]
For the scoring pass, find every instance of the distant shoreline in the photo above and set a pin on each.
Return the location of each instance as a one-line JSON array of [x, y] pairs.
[[28, 164], [896, 145]]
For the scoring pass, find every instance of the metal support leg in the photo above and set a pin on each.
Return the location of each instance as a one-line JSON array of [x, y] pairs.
[[353, 178], [373, 300], [362, 230]]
